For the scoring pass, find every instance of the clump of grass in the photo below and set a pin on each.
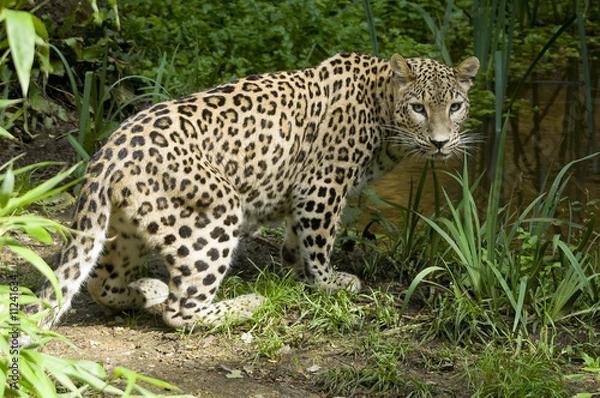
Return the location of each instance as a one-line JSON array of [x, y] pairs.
[[295, 314], [380, 373], [101, 104], [491, 273], [501, 374]]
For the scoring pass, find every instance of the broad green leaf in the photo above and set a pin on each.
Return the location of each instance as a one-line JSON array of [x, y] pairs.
[[87, 372], [40, 28], [575, 377], [39, 233], [42, 191], [21, 223], [93, 368], [129, 374], [35, 378], [63, 379], [20, 31]]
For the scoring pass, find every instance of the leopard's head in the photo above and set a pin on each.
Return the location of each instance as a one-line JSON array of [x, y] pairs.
[[431, 105]]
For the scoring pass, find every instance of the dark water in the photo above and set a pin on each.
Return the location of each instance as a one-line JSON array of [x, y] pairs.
[[550, 130]]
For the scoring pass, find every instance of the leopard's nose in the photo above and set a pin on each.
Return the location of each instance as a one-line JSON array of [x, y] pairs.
[[439, 144]]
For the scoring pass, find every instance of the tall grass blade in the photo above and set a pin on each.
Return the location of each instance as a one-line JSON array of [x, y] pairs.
[[515, 302], [98, 98], [84, 110], [571, 285], [371, 26], [484, 20], [589, 106], [493, 207], [555, 193], [81, 152], [70, 75], [521, 82], [415, 283], [573, 261], [519, 313], [156, 93], [438, 34]]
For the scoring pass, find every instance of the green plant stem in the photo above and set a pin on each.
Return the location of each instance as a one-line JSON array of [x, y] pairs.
[[371, 25]]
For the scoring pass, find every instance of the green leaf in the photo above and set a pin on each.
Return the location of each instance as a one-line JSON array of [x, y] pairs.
[[8, 102], [575, 377], [38, 263], [583, 395], [40, 28], [20, 30], [87, 372], [7, 188], [6, 134], [39, 233], [235, 374], [36, 379], [42, 191], [416, 282], [26, 169], [132, 377], [3, 378]]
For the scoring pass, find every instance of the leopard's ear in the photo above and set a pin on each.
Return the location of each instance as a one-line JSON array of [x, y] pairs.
[[400, 69], [466, 72]]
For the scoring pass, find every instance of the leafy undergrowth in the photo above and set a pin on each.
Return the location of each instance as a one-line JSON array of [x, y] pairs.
[[304, 343]]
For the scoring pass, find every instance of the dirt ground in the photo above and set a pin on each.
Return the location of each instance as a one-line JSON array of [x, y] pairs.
[[200, 364]]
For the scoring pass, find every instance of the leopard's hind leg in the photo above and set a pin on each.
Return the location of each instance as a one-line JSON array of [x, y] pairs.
[[114, 282]]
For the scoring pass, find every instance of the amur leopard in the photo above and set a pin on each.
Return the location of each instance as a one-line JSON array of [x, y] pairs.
[[185, 176]]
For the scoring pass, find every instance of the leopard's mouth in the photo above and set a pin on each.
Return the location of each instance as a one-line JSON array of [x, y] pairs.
[[440, 155], [436, 154]]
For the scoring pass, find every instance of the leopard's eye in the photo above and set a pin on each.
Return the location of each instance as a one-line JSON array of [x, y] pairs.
[[419, 108], [455, 106]]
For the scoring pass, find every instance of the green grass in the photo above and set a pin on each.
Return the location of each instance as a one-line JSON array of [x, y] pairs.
[[102, 104], [381, 349], [499, 373]]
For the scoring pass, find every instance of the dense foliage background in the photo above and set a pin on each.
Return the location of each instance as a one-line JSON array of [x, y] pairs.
[[186, 46]]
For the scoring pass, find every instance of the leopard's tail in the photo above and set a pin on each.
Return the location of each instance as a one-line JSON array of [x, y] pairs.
[[80, 253]]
